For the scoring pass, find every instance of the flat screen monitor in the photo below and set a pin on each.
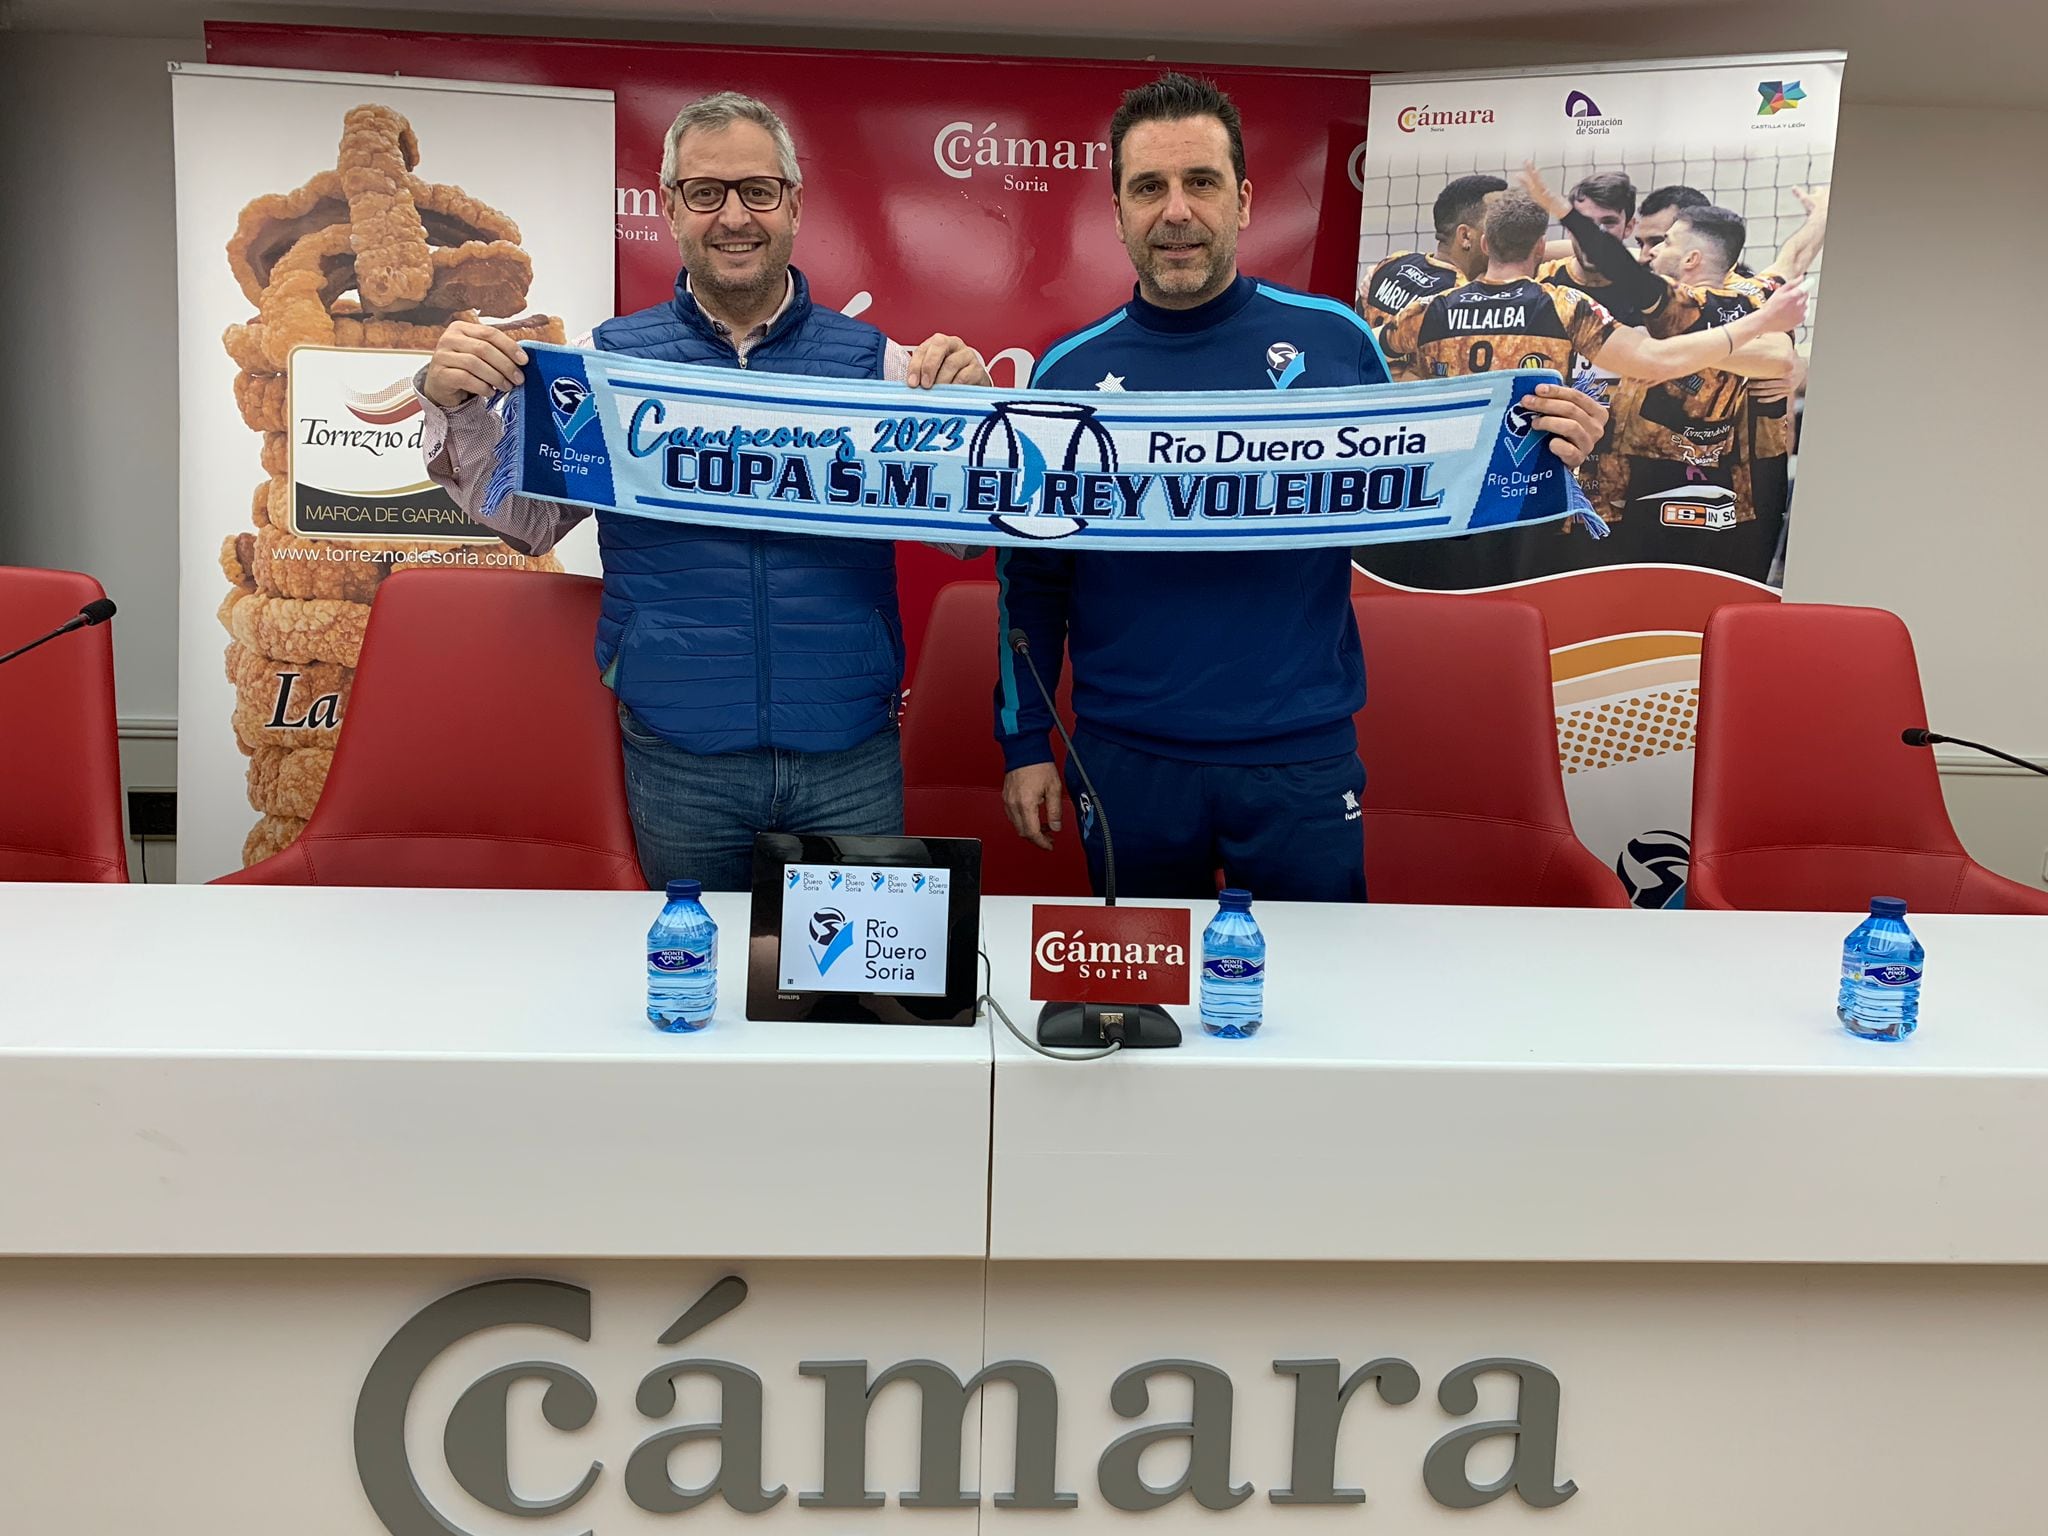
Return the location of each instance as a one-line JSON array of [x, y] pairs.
[[865, 930]]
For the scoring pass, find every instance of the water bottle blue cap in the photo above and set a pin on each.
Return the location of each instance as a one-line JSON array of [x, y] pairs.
[[1887, 906], [685, 890], [1235, 899]]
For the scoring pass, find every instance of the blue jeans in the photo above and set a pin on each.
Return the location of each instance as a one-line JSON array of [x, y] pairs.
[[695, 815], [1285, 832]]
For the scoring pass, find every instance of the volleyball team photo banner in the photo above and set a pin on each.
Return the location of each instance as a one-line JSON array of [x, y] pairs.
[[1696, 476], [857, 459]]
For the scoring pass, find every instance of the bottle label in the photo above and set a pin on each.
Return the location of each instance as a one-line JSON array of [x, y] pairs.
[[1891, 975], [1231, 968], [674, 960]]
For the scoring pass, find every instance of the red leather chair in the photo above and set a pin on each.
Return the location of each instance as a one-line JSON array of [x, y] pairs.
[[479, 748], [1803, 797], [1464, 801], [60, 758], [952, 767]]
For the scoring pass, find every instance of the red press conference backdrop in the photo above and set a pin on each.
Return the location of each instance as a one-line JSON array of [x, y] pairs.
[[949, 193]]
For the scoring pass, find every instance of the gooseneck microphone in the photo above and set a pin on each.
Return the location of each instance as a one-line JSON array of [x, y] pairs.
[[1021, 644], [1129, 1025], [98, 611], [1918, 736]]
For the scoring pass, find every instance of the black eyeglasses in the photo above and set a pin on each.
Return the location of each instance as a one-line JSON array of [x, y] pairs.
[[707, 194]]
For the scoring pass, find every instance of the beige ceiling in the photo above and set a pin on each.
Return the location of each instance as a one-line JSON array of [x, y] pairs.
[[1955, 53]]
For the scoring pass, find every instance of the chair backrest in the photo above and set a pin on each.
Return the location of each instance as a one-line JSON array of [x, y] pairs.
[[479, 747], [60, 760], [1464, 801], [1804, 797], [952, 767]]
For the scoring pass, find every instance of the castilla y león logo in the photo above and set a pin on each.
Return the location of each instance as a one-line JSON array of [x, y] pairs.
[[1778, 96], [483, 1457]]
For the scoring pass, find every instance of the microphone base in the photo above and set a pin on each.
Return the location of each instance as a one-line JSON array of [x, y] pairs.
[[1079, 1025]]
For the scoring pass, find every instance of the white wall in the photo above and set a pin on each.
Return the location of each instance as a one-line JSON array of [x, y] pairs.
[[1923, 369], [88, 408], [1917, 486]]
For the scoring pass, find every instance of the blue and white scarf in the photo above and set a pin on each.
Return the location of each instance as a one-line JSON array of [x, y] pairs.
[[870, 460]]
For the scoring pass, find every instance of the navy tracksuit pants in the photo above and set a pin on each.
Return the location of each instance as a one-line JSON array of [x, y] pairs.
[[1284, 832]]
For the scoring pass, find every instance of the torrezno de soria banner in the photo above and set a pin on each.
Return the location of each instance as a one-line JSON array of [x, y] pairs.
[[1220, 471]]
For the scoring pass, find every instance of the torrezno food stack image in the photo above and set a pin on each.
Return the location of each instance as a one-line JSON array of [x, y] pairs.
[[353, 277]]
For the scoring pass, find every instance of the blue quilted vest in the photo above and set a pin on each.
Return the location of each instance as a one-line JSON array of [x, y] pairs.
[[729, 641]]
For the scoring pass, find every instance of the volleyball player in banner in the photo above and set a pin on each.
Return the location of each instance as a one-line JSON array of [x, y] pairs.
[[1510, 319], [1459, 216], [1693, 471], [1704, 454]]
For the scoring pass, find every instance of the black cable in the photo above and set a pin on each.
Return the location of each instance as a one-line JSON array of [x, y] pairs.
[[1021, 644], [1978, 746]]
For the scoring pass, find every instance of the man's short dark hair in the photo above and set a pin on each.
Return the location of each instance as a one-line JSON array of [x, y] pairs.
[[1674, 197], [1168, 99], [1515, 225], [1720, 228], [1463, 201], [1611, 190]]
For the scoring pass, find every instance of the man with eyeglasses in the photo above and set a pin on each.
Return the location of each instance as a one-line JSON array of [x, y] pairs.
[[757, 674]]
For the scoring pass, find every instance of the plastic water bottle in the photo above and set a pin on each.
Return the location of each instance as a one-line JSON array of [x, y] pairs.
[[682, 962], [1233, 969], [1881, 963]]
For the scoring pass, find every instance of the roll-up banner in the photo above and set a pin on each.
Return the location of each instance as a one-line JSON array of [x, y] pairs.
[[1712, 175], [329, 227]]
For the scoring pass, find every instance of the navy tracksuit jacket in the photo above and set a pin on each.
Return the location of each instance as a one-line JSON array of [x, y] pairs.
[[1215, 692]]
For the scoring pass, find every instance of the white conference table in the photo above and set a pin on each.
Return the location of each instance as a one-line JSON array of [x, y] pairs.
[[1532, 1084], [246, 1134], [280, 1070]]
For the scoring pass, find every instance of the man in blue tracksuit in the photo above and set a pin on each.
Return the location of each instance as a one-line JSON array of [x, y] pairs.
[[1214, 692]]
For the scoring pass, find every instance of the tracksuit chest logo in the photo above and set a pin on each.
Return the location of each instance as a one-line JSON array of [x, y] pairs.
[[1285, 362]]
